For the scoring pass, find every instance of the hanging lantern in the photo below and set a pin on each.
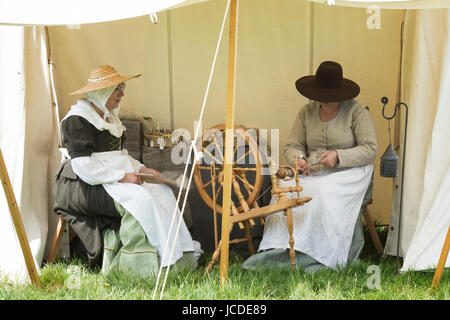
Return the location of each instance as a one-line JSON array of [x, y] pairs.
[[389, 163]]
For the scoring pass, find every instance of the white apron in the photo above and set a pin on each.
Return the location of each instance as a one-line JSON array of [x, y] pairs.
[[323, 227], [152, 205]]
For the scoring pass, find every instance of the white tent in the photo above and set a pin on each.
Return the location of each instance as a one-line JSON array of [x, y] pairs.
[[28, 136]]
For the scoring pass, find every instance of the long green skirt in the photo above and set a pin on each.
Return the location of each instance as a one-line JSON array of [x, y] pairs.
[[130, 250]]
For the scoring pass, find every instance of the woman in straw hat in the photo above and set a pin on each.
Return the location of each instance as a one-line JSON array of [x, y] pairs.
[[334, 143], [119, 220]]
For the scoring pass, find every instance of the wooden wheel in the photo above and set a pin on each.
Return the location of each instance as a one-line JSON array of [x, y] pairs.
[[246, 169]]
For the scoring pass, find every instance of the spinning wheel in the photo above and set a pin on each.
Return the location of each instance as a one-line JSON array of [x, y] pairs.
[[246, 176], [246, 185]]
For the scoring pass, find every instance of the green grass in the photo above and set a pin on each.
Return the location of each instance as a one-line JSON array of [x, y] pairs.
[[350, 283]]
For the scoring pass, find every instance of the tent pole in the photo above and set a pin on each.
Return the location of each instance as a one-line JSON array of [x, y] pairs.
[[54, 99], [170, 68], [229, 141], [18, 223], [442, 260]]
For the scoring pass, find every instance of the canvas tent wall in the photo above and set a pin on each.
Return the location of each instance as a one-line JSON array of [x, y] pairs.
[[278, 42], [426, 74], [27, 141]]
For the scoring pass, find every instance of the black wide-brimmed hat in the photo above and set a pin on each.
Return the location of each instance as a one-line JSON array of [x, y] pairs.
[[328, 84]]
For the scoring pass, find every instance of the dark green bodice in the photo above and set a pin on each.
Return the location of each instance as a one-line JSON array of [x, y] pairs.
[[81, 138]]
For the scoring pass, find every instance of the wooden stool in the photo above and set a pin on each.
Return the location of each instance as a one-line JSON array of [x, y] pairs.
[[56, 242], [372, 229]]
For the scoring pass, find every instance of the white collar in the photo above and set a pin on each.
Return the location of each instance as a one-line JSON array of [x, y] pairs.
[[84, 109]]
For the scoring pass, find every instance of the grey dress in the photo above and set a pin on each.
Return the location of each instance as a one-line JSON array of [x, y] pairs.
[[351, 133], [88, 209]]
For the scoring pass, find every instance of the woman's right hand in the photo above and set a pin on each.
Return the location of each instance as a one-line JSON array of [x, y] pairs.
[[303, 165], [131, 177]]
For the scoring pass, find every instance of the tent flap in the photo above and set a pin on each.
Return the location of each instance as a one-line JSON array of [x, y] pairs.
[[27, 142], [425, 75]]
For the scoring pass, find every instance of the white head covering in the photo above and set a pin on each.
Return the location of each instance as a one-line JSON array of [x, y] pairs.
[[99, 98]]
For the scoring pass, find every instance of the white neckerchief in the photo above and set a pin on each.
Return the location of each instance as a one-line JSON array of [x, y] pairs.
[[84, 109]]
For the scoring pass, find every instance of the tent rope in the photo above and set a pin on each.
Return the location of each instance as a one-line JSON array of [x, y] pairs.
[[185, 169]]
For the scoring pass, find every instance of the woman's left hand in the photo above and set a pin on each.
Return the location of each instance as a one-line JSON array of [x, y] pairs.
[[149, 170], [329, 158]]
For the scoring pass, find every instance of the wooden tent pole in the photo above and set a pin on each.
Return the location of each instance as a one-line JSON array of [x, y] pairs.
[[229, 142], [442, 260], [18, 223]]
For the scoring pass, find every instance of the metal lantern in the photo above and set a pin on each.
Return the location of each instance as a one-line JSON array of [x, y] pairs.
[[389, 163]]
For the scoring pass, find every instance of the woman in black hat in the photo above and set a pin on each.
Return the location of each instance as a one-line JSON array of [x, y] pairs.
[[333, 122], [334, 142]]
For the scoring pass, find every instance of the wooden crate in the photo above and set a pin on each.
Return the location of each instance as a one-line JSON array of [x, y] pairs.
[[133, 134]]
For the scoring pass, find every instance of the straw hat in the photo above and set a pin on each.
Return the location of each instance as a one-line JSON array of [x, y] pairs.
[[328, 84], [103, 77]]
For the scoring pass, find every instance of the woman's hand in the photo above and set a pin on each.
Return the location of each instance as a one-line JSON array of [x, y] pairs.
[[149, 170], [131, 177], [303, 165], [329, 158]]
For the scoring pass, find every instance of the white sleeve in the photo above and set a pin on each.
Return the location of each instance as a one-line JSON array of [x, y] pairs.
[[93, 171], [136, 164]]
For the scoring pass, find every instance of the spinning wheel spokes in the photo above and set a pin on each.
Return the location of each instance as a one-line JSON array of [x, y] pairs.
[[246, 169]]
